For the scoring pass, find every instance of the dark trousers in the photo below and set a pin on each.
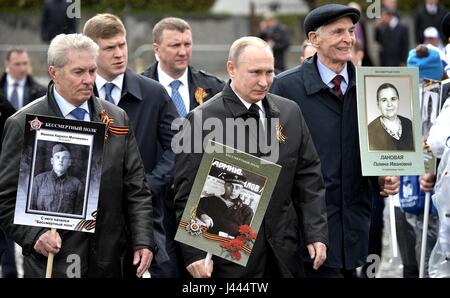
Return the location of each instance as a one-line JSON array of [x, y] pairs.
[[327, 272], [8, 261], [406, 239]]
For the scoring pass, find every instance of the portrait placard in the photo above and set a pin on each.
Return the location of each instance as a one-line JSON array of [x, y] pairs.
[[445, 92], [430, 106], [227, 203], [60, 173], [389, 121]]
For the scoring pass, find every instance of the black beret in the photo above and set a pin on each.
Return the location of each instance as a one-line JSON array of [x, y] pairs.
[[328, 13], [445, 26], [234, 178]]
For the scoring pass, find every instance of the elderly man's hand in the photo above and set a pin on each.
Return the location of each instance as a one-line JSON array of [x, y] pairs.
[[199, 270], [390, 185], [48, 244], [143, 257], [427, 182], [318, 252]]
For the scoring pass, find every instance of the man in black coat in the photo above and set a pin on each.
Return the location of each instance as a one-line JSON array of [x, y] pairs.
[[325, 89], [16, 84], [151, 112], [295, 216], [7, 254], [172, 43], [56, 19], [388, 29], [429, 14]]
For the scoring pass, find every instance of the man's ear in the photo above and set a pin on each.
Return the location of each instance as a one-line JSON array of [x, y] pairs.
[[313, 39], [52, 72], [230, 69], [155, 48]]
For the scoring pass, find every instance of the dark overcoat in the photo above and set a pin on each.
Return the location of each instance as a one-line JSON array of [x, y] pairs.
[[296, 212], [333, 125]]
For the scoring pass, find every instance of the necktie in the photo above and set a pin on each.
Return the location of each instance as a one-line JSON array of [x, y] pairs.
[[78, 113], [337, 85], [253, 112], [177, 99], [14, 100], [108, 89]]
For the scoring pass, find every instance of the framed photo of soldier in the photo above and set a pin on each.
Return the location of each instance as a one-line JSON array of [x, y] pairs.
[[60, 170], [227, 202], [389, 121]]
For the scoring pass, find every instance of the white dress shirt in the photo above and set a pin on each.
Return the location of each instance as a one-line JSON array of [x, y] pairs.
[[20, 89], [165, 80], [262, 112], [328, 75], [116, 92], [66, 107]]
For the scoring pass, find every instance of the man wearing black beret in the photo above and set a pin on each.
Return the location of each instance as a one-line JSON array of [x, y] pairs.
[[325, 89]]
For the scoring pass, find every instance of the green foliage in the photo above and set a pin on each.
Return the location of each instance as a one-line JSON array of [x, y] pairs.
[[118, 6]]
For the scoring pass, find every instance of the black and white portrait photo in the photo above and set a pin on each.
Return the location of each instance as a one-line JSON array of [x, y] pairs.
[[229, 199], [59, 178], [389, 114], [60, 173]]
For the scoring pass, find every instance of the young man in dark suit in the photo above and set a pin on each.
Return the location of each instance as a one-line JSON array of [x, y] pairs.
[[16, 84], [151, 112]]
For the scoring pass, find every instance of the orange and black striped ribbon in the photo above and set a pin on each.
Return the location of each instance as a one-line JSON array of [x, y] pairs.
[[183, 225]]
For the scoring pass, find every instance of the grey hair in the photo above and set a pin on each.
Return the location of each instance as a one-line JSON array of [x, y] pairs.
[[238, 47], [319, 30], [63, 43]]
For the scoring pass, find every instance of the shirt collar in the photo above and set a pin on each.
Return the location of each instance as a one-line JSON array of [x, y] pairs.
[[328, 75], [118, 81], [65, 106], [11, 81], [247, 104], [393, 23], [166, 79]]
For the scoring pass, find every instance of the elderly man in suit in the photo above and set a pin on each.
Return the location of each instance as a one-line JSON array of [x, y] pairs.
[[125, 201], [324, 87], [151, 112], [296, 214]]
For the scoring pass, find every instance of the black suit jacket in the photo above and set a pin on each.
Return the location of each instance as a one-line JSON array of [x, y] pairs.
[[6, 110], [394, 44], [296, 213], [151, 113], [32, 91], [196, 79]]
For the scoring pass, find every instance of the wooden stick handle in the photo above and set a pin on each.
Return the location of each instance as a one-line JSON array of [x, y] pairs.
[[48, 272]]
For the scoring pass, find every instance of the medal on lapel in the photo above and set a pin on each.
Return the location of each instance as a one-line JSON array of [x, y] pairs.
[[200, 95]]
